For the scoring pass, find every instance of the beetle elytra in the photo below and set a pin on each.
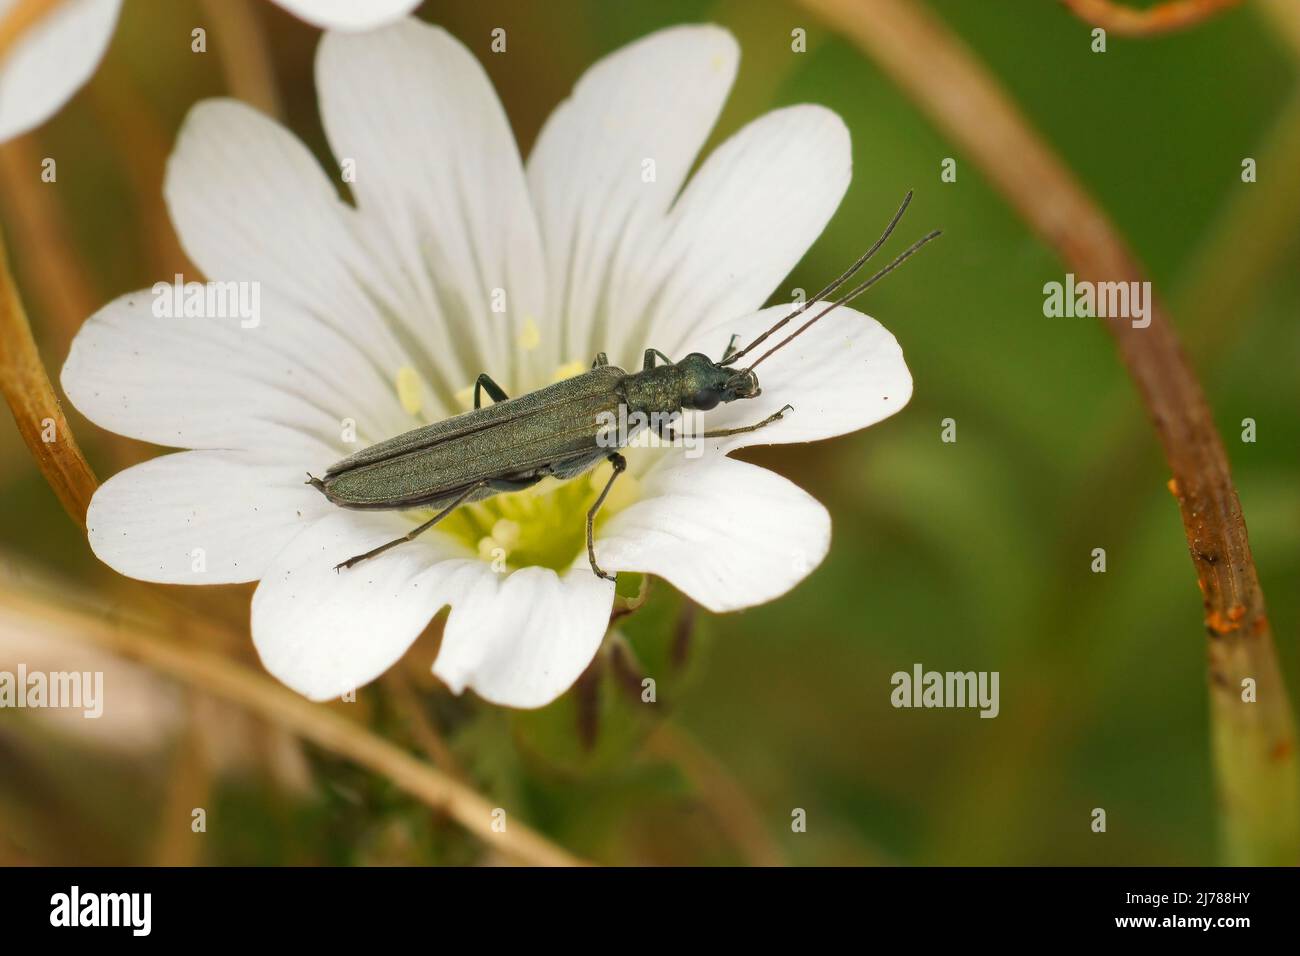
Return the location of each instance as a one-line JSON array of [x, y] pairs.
[[552, 431]]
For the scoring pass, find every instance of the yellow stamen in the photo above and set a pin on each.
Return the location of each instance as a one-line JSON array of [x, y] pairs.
[[409, 390], [530, 336], [568, 370], [506, 533], [545, 524], [465, 397]]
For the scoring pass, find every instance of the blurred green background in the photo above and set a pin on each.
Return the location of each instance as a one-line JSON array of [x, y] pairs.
[[966, 556]]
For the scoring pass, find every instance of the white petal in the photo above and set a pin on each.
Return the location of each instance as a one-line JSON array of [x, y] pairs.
[[844, 373], [440, 190], [727, 533], [281, 388], [201, 517], [654, 100], [349, 14], [521, 640], [518, 640], [324, 632], [51, 60], [744, 221], [251, 204]]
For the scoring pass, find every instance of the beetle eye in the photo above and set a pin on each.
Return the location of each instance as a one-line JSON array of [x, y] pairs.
[[705, 399]]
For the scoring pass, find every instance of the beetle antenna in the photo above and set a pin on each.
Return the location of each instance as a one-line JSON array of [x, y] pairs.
[[830, 289], [851, 295]]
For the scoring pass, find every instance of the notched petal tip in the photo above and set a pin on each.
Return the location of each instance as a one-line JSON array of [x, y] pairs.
[[523, 640], [349, 15]]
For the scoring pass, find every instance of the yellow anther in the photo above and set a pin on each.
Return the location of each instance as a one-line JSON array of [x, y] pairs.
[[506, 533], [530, 336], [409, 391], [568, 370]]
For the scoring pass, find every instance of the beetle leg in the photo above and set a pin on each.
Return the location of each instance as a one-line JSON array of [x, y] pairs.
[[649, 362], [774, 417], [485, 384], [601, 359], [731, 349], [620, 465], [414, 532]]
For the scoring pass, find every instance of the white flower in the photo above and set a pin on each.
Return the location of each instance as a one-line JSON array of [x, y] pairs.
[[381, 314], [57, 53], [50, 60]]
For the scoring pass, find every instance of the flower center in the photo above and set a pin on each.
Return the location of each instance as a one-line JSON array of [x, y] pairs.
[[544, 525]]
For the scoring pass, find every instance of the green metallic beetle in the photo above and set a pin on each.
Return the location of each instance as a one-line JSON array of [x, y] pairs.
[[554, 431]]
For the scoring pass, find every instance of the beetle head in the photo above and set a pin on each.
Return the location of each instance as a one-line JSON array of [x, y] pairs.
[[707, 384]]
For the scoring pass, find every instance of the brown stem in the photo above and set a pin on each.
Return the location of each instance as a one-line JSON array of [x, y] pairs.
[[245, 55], [35, 407], [136, 137], [1284, 17], [1251, 237], [1162, 18], [426, 736], [60, 295], [1253, 742], [213, 674], [586, 699], [730, 805], [189, 786]]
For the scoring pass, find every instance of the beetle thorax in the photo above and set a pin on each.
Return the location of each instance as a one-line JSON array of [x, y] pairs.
[[657, 389]]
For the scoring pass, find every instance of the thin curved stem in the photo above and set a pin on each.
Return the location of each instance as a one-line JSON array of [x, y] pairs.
[[1254, 230], [1248, 241], [219, 677], [1167, 17], [36, 408], [1253, 741], [39, 223], [31, 397], [423, 732], [245, 56], [730, 805]]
